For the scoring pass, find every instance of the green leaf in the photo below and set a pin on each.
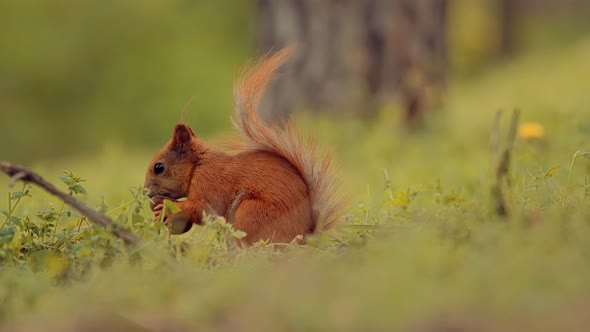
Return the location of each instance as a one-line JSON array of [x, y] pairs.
[[76, 248], [137, 219], [583, 154], [16, 221], [4, 212], [19, 194], [67, 180], [71, 214], [552, 171], [6, 234], [239, 234], [77, 189], [171, 206], [59, 236], [47, 215], [73, 182]]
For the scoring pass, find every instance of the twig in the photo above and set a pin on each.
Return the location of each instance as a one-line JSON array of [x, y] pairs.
[[18, 173], [495, 137], [503, 165], [513, 128]]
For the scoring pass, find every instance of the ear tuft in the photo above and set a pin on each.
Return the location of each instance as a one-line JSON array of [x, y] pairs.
[[181, 136]]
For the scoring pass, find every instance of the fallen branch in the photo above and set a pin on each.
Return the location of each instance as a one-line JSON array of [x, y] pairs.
[[18, 173]]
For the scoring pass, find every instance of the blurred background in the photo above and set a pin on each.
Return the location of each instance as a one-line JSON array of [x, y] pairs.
[[76, 76]]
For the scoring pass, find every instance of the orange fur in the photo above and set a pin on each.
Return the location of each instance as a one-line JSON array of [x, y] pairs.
[[276, 188]]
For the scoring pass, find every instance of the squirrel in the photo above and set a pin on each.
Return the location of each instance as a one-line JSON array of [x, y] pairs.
[[277, 187]]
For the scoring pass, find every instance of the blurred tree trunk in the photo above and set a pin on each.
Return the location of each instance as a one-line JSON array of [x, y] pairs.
[[509, 10], [406, 51], [355, 55]]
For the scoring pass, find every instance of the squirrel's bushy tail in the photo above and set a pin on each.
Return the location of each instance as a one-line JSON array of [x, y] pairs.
[[284, 140]]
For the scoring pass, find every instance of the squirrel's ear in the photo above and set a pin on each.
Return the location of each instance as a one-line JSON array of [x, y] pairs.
[[181, 136]]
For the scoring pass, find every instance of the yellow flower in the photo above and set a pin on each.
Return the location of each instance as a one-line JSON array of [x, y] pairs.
[[531, 130]]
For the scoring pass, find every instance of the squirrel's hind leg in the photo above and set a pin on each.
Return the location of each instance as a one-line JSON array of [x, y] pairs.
[[263, 221]]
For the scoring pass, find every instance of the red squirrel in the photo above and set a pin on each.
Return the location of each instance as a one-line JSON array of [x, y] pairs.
[[276, 188]]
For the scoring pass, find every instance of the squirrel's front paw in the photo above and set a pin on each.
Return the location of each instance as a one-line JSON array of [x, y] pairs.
[[158, 200], [177, 223], [158, 209]]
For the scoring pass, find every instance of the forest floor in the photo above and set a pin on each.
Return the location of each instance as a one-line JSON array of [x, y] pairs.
[[422, 247]]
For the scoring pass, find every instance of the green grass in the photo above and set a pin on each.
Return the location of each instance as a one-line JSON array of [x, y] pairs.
[[424, 249]]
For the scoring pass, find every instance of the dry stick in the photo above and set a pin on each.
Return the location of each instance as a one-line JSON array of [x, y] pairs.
[[504, 164], [511, 138], [494, 145], [18, 173], [495, 137]]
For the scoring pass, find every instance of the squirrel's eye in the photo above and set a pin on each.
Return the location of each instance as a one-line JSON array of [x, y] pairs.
[[158, 168]]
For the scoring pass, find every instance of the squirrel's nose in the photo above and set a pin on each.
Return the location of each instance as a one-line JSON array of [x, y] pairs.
[[151, 192]]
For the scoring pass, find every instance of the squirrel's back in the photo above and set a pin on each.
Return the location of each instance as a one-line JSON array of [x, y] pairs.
[[284, 140]]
